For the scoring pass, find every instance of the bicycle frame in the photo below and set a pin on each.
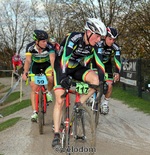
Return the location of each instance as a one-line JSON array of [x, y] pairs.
[[77, 99], [40, 98], [77, 117]]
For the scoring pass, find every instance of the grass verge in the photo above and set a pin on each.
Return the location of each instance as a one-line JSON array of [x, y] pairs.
[[9, 123], [12, 97], [14, 107], [132, 101], [10, 110]]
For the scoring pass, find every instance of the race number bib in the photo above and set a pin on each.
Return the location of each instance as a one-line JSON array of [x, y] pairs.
[[41, 80]]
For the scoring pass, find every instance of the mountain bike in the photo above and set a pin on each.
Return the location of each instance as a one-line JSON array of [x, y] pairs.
[[79, 127], [40, 98]]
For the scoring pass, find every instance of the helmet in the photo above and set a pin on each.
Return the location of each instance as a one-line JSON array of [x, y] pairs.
[[96, 26], [112, 32], [52, 39], [16, 57], [40, 35]]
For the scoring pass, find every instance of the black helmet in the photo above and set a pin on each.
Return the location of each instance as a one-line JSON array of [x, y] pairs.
[[112, 32], [40, 35]]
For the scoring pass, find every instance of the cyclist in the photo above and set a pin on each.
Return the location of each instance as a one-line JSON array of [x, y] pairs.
[[74, 48], [55, 44], [17, 64], [40, 54], [111, 49]]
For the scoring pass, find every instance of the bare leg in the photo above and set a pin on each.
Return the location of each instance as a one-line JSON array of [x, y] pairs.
[[57, 113], [33, 89], [91, 78]]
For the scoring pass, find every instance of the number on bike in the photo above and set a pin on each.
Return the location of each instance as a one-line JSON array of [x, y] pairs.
[[82, 88]]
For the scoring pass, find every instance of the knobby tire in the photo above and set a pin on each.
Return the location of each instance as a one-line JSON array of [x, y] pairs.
[[41, 112], [80, 127], [97, 107]]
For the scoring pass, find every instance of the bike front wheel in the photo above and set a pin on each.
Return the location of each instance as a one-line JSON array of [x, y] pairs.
[[41, 113], [82, 132]]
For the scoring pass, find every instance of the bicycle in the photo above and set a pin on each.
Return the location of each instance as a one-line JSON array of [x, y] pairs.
[[40, 98], [81, 124]]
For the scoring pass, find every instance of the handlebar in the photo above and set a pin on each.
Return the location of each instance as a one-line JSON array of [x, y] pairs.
[[74, 83]]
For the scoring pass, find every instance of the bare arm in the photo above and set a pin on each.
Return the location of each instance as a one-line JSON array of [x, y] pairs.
[[52, 59], [26, 66]]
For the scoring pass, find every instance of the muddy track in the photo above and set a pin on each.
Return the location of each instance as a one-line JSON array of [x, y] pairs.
[[124, 131]]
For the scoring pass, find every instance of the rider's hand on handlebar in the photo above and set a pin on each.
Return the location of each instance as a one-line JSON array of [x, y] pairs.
[[24, 76], [116, 77], [66, 82]]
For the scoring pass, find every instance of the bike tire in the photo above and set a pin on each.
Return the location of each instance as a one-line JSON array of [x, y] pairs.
[[67, 141], [83, 132], [41, 112], [97, 113]]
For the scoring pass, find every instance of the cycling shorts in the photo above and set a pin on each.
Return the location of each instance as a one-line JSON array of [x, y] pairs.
[[78, 73], [36, 67], [108, 72]]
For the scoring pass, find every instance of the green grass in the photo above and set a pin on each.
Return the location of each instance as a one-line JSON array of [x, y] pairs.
[[14, 107], [2, 86], [131, 100], [10, 109], [9, 123], [12, 97]]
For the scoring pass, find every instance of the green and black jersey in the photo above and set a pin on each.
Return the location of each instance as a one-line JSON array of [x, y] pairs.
[[39, 57]]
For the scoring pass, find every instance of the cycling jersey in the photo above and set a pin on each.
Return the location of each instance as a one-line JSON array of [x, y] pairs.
[[74, 52], [39, 57], [16, 60], [57, 47], [108, 52]]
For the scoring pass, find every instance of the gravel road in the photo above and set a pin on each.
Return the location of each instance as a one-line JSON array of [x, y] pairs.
[[124, 131]]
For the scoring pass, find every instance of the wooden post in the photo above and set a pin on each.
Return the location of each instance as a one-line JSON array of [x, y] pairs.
[[21, 88], [12, 78], [139, 78]]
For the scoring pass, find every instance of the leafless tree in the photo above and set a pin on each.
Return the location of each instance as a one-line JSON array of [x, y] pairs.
[[15, 27], [19, 18]]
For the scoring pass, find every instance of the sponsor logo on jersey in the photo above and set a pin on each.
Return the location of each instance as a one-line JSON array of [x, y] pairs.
[[100, 50], [70, 44], [117, 52], [75, 37]]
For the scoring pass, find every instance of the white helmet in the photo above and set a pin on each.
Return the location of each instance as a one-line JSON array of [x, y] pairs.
[[96, 26]]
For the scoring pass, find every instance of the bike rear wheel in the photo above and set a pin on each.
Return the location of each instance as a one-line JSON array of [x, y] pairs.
[[41, 112]]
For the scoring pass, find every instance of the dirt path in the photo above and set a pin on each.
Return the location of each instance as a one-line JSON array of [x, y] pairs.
[[124, 131]]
